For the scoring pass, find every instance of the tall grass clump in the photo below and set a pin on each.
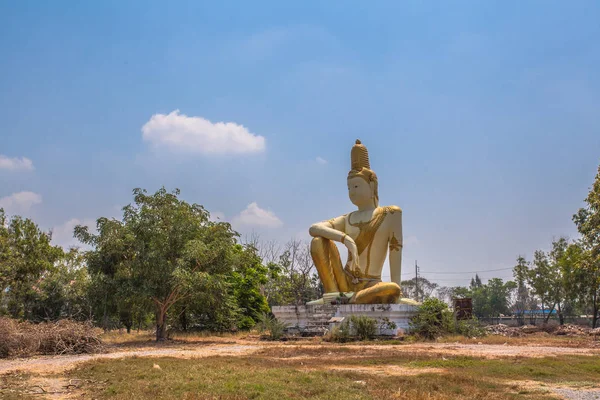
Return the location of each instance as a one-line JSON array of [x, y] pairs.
[[270, 324]]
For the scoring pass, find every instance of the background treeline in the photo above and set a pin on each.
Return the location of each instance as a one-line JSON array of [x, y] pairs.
[[564, 281], [166, 263]]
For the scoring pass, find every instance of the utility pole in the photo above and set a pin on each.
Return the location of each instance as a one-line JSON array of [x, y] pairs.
[[416, 281]]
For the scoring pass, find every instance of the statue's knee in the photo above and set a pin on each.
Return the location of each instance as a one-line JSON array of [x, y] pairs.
[[317, 244]]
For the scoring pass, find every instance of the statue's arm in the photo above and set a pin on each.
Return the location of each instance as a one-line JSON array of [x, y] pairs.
[[395, 246], [332, 229]]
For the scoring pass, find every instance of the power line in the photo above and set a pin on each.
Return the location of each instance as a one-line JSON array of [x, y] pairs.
[[466, 272]]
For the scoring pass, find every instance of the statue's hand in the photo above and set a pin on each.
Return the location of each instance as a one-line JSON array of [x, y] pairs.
[[352, 263]]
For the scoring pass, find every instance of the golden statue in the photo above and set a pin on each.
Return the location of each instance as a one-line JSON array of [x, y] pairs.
[[368, 233]]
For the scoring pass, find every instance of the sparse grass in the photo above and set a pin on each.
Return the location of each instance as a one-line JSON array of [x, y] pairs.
[[142, 338], [256, 378], [534, 339], [309, 372]]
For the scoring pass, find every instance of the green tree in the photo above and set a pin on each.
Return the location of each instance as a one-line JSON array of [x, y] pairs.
[[246, 279], [587, 220], [420, 288], [62, 291], [25, 255], [523, 298], [164, 248]]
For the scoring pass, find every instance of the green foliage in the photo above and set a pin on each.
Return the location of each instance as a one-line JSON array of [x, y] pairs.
[[418, 289], [270, 324], [364, 328], [292, 279], [433, 319], [26, 258], [587, 220], [355, 327], [469, 328], [166, 254], [490, 299]]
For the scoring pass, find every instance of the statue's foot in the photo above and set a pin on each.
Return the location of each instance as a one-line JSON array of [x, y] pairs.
[[329, 298], [380, 293], [405, 300]]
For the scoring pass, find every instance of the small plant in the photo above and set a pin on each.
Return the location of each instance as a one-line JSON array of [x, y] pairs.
[[387, 324], [340, 333], [268, 323]]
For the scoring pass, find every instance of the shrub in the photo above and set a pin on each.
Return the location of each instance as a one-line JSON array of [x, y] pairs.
[[271, 324], [433, 319], [365, 328], [357, 327], [470, 328], [61, 337]]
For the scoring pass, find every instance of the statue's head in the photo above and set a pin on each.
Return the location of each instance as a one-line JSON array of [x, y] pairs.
[[362, 181]]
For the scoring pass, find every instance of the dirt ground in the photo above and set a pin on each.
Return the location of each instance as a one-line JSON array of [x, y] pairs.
[[44, 372]]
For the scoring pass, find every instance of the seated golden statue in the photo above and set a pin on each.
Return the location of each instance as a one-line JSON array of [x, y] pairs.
[[367, 233]]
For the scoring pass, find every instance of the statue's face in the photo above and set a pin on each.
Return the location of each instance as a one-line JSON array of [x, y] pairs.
[[359, 191]]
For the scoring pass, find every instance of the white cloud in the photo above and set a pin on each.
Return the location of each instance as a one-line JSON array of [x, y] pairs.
[[253, 215], [62, 235], [181, 133], [16, 163], [321, 161], [19, 202]]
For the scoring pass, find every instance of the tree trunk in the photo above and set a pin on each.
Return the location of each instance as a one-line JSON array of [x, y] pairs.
[[595, 315], [561, 317], [183, 319], [549, 313], [161, 324]]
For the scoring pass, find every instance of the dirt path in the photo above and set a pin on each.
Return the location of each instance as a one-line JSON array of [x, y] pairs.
[[57, 364]]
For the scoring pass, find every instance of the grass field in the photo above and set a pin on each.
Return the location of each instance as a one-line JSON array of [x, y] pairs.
[[313, 369], [326, 372], [274, 374]]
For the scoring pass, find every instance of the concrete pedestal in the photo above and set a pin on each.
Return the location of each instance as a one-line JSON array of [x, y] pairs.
[[317, 319]]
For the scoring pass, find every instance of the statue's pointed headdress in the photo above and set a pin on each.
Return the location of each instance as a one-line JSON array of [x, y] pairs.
[[359, 157], [361, 167]]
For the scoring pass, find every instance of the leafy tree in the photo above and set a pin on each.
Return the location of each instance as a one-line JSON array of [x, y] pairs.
[[164, 249], [587, 220], [62, 291], [246, 279], [292, 277], [547, 280], [25, 255], [420, 288], [523, 299]]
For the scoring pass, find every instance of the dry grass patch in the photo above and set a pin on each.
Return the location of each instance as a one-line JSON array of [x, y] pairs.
[[322, 372], [534, 339], [260, 378]]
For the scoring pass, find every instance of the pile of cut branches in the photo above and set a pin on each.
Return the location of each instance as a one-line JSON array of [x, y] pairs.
[[21, 339]]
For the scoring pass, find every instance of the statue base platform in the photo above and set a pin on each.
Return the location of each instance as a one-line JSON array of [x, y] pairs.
[[318, 319]]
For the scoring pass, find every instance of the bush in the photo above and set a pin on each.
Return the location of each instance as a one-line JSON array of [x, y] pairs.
[[52, 338], [364, 327], [433, 319], [271, 324], [470, 328], [357, 327]]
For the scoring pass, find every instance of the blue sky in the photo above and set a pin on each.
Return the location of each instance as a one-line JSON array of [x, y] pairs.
[[481, 118]]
